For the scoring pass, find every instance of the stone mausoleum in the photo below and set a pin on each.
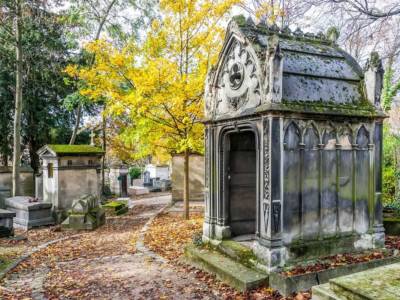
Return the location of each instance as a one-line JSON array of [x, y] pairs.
[[68, 173], [293, 145]]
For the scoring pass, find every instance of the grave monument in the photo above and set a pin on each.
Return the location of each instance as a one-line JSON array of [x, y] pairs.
[[69, 172], [293, 145]]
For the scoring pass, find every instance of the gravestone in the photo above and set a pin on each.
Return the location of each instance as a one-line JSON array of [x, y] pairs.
[[293, 146], [85, 214], [146, 178]]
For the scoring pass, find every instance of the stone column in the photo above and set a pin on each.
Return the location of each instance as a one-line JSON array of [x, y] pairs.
[[208, 197], [39, 186], [379, 231], [270, 247]]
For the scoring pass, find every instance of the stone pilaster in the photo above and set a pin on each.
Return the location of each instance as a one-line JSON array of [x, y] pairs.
[[270, 248], [374, 79]]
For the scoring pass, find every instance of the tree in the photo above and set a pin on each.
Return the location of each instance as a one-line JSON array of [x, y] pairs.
[[159, 85], [47, 51], [92, 18], [12, 10]]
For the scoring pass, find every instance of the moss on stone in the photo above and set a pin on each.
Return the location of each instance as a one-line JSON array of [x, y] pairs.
[[75, 149]]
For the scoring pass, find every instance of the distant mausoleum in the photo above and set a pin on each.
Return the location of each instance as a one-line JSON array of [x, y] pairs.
[[293, 145], [68, 173]]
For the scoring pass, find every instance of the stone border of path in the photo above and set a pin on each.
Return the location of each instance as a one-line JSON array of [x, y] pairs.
[[25, 256], [140, 246]]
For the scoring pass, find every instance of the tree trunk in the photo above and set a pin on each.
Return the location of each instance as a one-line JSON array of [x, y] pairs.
[[186, 185], [103, 161], [76, 127], [18, 104]]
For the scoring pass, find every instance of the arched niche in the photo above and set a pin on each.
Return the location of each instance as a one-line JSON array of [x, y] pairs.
[[292, 137]]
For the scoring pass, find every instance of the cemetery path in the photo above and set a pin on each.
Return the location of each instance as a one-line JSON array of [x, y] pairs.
[[103, 264]]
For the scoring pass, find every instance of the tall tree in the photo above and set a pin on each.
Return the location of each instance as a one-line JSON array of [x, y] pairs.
[[159, 85], [11, 21], [47, 51]]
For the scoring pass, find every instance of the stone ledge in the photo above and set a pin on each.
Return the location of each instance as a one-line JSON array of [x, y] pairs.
[[288, 285], [6, 214], [226, 269], [21, 203]]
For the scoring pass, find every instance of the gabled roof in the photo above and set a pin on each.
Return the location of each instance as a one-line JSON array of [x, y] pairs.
[[65, 150], [315, 74]]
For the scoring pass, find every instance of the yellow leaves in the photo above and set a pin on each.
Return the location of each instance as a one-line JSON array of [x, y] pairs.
[[159, 84]]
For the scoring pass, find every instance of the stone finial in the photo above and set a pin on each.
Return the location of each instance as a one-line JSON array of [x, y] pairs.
[[374, 78], [332, 34], [275, 73]]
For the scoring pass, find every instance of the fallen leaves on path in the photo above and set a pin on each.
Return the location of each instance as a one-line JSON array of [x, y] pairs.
[[170, 233], [112, 239]]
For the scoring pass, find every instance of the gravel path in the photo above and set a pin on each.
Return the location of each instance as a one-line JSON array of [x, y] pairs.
[[137, 275]]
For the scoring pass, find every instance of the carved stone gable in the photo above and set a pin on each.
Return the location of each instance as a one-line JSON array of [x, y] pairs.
[[238, 83]]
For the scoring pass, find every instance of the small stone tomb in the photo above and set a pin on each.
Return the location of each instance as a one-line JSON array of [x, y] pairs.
[[85, 214], [293, 146], [30, 213], [6, 223], [69, 172]]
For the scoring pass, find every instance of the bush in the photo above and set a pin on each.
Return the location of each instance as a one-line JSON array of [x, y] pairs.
[[135, 172]]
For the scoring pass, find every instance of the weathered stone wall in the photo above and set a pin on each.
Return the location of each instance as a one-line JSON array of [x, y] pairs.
[[327, 179], [74, 183], [196, 177], [27, 187]]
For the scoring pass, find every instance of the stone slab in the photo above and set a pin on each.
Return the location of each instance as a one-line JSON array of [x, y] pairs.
[[30, 214], [288, 285], [22, 203], [226, 269], [138, 190], [323, 292], [381, 283], [6, 214]]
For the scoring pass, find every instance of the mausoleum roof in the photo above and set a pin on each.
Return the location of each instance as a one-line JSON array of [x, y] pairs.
[[66, 150], [282, 66]]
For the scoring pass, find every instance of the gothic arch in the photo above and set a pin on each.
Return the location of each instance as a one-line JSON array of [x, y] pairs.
[[292, 137]]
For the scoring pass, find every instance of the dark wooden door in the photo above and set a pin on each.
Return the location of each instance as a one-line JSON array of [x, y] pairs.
[[242, 181]]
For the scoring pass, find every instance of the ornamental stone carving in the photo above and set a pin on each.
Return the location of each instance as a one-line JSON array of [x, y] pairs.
[[238, 84]]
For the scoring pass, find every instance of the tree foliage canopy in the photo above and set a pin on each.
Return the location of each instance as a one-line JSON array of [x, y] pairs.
[[158, 85]]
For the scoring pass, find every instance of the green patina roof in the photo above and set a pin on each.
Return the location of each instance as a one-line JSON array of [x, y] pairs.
[[75, 149]]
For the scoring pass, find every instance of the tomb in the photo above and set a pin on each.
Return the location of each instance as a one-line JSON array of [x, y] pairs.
[[29, 212], [293, 146], [69, 172]]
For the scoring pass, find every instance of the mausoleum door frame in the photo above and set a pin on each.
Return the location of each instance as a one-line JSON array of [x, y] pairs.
[[223, 162]]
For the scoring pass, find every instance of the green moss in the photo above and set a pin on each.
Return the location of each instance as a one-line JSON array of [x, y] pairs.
[[240, 20], [362, 109], [113, 204], [75, 149], [391, 220]]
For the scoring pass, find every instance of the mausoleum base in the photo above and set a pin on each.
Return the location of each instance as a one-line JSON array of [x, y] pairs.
[[217, 257]]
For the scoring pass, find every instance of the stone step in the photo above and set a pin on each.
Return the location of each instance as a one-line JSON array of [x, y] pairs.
[[324, 292], [226, 269], [382, 283], [238, 252]]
